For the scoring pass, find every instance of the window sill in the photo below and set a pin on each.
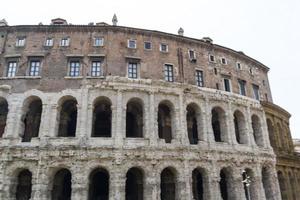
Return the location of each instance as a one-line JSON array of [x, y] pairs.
[[95, 77], [73, 77], [20, 77]]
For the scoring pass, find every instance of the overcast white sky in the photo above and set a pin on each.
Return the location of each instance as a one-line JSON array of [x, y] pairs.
[[267, 30]]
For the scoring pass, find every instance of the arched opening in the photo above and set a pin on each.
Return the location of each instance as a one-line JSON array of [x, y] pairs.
[[281, 181], [168, 185], [99, 185], [249, 184], [134, 184], [240, 127], [68, 118], [62, 186], [198, 184], [164, 120], [32, 118], [272, 137], [218, 122], [24, 185], [102, 118], [134, 118], [257, 131], [3, 115], [223, 185], [267, 183], [193, 123], [280, 136], [293, 185]]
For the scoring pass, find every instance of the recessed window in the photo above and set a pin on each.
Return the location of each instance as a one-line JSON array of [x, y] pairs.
[[256, 91], [11, 69], [163, 47], [74, 68], [98, 41], [242, 87], [96, 68], [212, 58], [238, 66], [34, 68], [20, 42], [132, 44], [147, 45], [227, 87], [65, 42], [133, 70], [224, 61], [199, 78], [49, 42], [192, 55], [169, 73], [251, 70], [215, 71]]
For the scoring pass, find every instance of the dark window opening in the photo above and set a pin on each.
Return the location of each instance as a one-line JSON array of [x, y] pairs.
[[164, 123], [62, 185], [282, 186], [3, 115], [68, 119], [267, 180], [246, 184], [99, 185], [102, 119], [227, 85], [242, 86], [167, 185], [216, 121], [256, 91], [257, 132], [197, 185], [223, 185], [32, 120], [192, 125], [134, 119], [272, 136], [24, 185], [215, 71], [134, 184], [240, 127]]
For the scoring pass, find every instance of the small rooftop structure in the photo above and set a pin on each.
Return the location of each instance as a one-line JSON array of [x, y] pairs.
[[115, 20], [3, 22], [59, 21], [207, 39], [180, 31]]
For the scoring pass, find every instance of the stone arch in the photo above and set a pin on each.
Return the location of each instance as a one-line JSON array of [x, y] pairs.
[[102, 117], [282, 184], [62, 185], [165, 120], [24, 185], [267, 182], [226, 184], [31, 118], [257, 130], [194, 123], [3, 115], [99, 184], [271, 132], [168, 185], [134, 118], [67, 117], [240, 127], [218, 123], [280, 135], [200, 184], [134, 184]]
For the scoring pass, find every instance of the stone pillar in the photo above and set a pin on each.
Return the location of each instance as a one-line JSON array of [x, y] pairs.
[[11, 121], [182, 129], [259, 183], [53, 123], [214, 187], [152, 122], [119, 121], [230, 125], [187, 180], [249, 127], [204, 124], [44, 125], [176, 126], [210, 134], [265, 133], [80, 183], [151, 189], [237, 188], [40, 184], [117, 184]]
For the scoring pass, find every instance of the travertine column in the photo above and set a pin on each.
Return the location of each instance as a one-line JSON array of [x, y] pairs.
[[237, 188], [187, 182], [53, 123], [11, 122], [80, 183], [183, 123], [40, 188], [214, 187], [119, 122], [44, 125], [118, 180], [230, 125], [210, 134], [265, 132], [152, 186], [152, 122], [249, 127], [82, 116]]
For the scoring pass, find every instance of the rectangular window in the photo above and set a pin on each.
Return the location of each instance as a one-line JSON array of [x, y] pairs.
[[20, 42], [238, 66], [98, 41], [199, 78], [169, 73], [132, 70], [96, 68], [211, 58], [256, 91], [147, 45], [65, 42], [74, 68], [192, 55], [242, 86], [164, 47], [49, 42], [132, 44], [224, 61], [11, 69], [34, 68], [227, 85]]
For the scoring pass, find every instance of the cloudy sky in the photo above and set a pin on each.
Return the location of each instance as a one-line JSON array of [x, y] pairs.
[[267, 30]]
